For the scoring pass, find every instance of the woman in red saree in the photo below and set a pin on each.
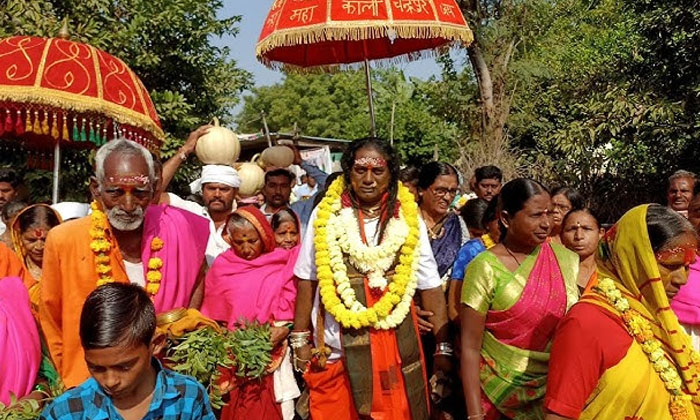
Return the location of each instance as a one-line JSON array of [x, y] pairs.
[[513, 296], [254, 281]]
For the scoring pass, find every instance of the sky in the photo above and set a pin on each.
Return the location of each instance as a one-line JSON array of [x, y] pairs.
[[242, 47]]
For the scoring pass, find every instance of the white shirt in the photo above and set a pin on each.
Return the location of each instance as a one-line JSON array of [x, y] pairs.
[[2, 227], [216, 244], [303, 191], [134, 271], [305, 268]]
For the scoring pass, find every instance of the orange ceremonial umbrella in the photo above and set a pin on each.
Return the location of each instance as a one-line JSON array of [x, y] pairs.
[[55, 92], [307, 34]]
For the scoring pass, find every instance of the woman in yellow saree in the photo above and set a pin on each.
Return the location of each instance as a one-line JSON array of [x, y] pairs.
[[620, 354]]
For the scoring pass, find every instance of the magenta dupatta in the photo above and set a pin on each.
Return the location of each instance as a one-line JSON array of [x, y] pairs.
[[263, 289], [686, 304], [529, 324], [20, 349], [185, 237]]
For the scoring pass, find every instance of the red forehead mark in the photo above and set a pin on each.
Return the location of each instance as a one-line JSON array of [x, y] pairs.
[[130, 179], [371, 162], [39, 233], [688, 252]]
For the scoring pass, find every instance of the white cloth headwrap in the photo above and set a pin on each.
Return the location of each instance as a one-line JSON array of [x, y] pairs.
[[221, 174], [71, 210]]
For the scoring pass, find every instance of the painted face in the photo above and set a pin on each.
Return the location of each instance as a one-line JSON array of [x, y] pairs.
[[218, 198], [674, 260], [125, 192], [488, 188], [438, 197], [530, 225], [120, 370], [680, 193], [7, 193], [246, 242], [287, 235], [277, 190], [369, 176], [581, 234], [33, 240]]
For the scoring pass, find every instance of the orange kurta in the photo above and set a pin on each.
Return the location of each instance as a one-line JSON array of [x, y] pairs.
[[68, 277], [10, 265]]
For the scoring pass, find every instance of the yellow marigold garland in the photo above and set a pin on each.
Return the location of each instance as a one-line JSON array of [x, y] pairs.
[[101, 247], [337, 295], [640, 328]]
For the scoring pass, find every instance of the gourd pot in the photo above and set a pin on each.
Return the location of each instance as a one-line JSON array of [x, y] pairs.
[[277, 156], [220, 146], [252, 179]]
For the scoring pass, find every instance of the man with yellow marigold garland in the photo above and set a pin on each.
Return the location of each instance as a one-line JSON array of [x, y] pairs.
[[124, 240], [365, 254]]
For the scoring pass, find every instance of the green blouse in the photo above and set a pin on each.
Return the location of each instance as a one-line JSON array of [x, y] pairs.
[[489, 285]]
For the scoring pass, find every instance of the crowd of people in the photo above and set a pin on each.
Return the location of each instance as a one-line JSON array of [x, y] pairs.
[[390, 292]]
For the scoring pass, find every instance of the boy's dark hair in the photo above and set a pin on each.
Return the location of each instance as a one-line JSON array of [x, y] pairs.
[[117, 314], [473, 213], [409, 174], [10, 176], [488, 172]]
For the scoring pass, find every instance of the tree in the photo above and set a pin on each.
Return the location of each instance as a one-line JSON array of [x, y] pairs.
[[335, 105], [166, 43]]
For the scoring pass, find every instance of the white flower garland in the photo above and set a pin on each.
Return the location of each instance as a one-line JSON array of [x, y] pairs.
[[343, 234], [372, 261]]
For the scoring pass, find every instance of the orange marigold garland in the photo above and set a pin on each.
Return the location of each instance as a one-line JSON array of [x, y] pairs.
[[101, 247]]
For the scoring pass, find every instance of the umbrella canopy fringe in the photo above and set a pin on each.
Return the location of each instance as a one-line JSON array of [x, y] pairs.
[[334, 68], [32, 97], [356, 32]]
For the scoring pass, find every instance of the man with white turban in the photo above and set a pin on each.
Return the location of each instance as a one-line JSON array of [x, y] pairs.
[[218, 186]]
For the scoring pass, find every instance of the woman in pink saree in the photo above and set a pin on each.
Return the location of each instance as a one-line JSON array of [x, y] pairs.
[[20, 349], [513, 296], [254, 281]]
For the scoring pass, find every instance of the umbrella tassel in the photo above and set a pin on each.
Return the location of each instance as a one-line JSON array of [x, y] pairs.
[[37, 123], [91, 135], [19, 125], [45, 124], [8, 121], [28, 127], [76, 136], [64, 131], [54, 127], [83, 134]]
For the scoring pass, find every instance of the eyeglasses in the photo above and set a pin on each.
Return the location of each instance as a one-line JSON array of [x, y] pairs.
[[441, 192], [561, 207]]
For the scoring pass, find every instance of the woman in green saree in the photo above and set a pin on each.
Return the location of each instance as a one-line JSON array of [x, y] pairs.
[[513, 296]]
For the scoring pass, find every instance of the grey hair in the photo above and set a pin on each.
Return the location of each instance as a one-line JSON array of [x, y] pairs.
[[236, 221], [127, 147], [682, 174]]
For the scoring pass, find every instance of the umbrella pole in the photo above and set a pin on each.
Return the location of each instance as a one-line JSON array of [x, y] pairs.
[[56, 169], [368, 75]]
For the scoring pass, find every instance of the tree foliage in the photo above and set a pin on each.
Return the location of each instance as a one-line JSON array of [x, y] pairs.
[[336, 106], [166, 43]]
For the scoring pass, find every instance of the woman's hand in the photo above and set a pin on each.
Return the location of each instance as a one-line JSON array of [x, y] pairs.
[[278, 334]]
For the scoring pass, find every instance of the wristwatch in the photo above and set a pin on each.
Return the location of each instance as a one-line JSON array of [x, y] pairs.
[[182, 155]]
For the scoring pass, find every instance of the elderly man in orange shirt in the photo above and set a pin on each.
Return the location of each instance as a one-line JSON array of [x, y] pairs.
[[124, 240]]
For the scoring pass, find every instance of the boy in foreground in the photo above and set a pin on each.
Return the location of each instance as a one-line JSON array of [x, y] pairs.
[[117, 327]]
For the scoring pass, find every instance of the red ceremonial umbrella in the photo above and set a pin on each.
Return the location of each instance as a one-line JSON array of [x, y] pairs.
[[303, 34], [55, 92]]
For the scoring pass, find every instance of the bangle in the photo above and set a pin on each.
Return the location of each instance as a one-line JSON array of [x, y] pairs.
[[182, 155], [476, 416], [298, 339], [444, 349]]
